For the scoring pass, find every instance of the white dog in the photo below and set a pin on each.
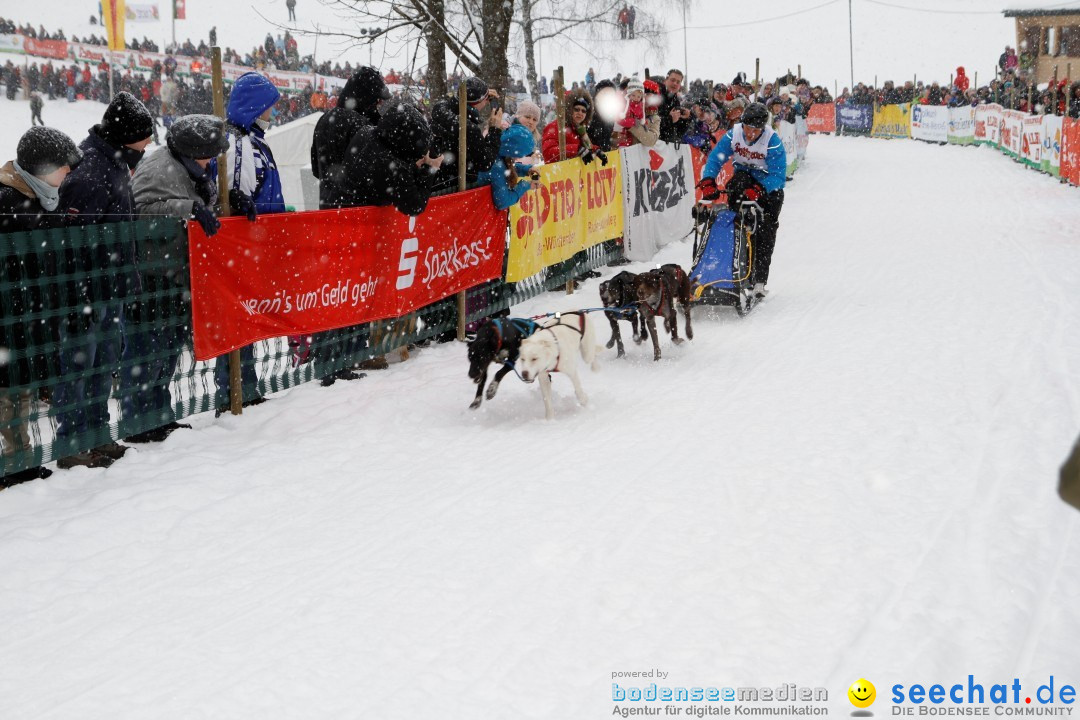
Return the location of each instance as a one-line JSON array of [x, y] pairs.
[[555, 348]]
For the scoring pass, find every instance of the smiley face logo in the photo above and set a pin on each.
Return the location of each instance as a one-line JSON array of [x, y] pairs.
[[862, 693]]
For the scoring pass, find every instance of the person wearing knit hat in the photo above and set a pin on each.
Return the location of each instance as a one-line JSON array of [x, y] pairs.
[[505, 176], [98, 190], [29, 196], [179, 181], [528, 116]]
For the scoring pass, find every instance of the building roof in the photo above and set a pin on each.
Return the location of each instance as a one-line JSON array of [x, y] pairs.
[[1034, 8]]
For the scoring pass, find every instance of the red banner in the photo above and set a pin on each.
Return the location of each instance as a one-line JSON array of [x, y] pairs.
[[1070, 150], [299, 273], [56, 49], [822, 118], [726, 172]]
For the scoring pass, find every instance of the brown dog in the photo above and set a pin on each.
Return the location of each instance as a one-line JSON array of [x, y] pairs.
[[657, 292], [618, 293]]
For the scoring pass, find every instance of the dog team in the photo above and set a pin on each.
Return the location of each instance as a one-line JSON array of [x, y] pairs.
[[534, 350]]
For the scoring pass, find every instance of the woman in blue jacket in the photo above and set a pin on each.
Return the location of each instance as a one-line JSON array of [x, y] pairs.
[[507, 187], [256, 183]]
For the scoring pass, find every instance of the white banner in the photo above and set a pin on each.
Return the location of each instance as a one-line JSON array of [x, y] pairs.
[[930, 123], [1031, 145], [1051, 152], [141, 12], [802, 137], [11, 43], [659, 197], [962, 125], [1012, 131], [988, 123]]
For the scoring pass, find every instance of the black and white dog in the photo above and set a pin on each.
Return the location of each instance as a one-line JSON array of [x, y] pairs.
[[497, 340], [619, 292]]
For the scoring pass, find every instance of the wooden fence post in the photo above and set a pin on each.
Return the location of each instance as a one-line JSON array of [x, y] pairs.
[[560, 125], [236, 383], [463, 120]]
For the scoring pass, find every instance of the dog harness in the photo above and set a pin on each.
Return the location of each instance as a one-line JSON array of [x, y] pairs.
[[525, 327], [558, 348]]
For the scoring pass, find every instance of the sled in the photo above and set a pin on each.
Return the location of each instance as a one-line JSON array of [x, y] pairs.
[[724, 256]]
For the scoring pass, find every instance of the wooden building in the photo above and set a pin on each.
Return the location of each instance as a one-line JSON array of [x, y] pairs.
[[1050, 37]]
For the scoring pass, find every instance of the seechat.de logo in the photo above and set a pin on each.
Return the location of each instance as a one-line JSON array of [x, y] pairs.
[[862, 694]]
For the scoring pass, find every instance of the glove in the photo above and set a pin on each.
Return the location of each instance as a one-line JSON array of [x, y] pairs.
[[243, 204], [708, 188], [206, 218], [751, 193], [603, 157], [586, 154]]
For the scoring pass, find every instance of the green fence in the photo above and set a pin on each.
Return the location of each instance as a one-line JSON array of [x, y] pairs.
[[70, 295]]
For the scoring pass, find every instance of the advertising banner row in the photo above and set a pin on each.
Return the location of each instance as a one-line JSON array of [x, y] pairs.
[[1045, 142], [307, 272], [138, 61]]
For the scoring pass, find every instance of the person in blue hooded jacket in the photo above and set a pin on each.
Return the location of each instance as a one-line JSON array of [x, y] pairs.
[[256, 184], [760, 173], [516, 143], [255, 189]]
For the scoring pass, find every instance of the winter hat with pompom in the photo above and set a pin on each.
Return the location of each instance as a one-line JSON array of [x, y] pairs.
[[527, 108], [126, 120], [43, 150], [516, 142], [198, 136]]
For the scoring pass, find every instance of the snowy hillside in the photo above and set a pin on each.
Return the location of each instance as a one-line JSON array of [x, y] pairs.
[[723, 38], [855, 481]]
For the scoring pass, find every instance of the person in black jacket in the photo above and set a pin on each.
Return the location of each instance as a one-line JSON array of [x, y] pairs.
[[98, 191], [29, 195], [674, 118], [599, 130], [357, 106], [481, 147], [389, 164]]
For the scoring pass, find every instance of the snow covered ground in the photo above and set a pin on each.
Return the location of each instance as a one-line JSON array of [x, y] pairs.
[[858, 480]]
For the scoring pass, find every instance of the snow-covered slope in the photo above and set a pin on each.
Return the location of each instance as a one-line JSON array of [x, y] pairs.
[[855, 481]]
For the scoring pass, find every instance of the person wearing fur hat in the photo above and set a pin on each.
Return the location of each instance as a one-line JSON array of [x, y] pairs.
[[579, 112], [179, 181], [390, 164], [99, 191], [29, 196], [483, 131], [515, 154], [357, 106]]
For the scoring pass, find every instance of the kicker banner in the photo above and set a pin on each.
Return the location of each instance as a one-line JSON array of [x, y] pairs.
[[658, 197], [857, 119], [1012, 130], [1051, 145], [1070, 150], [1031, 144], [300, 273], [575, 207]]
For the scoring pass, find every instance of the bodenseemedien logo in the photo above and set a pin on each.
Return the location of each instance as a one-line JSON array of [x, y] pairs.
[[862, 695]]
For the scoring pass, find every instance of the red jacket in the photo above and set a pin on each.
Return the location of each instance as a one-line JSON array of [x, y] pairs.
[[549, 142], [962, 83]]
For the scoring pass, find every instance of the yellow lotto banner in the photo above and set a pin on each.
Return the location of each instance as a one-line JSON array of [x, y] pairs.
[[892, 121], [574, 207], [113, 13]]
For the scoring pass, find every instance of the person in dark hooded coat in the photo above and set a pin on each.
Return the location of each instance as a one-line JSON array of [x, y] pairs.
[[389, 164], [357, 107]]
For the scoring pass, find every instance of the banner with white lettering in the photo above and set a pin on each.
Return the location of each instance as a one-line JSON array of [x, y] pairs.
[[930, 123], [658, 197], [1032, 143], [962, 125]]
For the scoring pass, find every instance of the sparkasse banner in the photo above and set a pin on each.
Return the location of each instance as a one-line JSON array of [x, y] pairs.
[[300, 273]]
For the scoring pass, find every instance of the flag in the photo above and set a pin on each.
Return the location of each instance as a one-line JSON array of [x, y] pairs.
[[113, 13], [179, 9]]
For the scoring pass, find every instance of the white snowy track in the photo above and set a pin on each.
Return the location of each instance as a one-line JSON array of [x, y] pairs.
[[858, 480]]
